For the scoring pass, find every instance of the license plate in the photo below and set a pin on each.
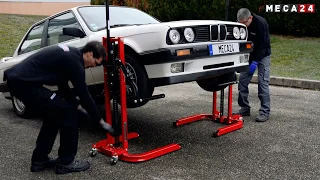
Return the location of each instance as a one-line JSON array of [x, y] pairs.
[[217, 49]]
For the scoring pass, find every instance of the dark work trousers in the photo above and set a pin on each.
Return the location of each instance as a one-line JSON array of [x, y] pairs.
[[263, 87], [57, 115]]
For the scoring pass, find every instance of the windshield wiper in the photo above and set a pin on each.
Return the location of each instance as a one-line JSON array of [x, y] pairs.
[[119, 25]]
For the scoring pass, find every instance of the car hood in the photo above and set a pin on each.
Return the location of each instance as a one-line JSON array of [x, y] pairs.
[[196, 23], [126, 31]]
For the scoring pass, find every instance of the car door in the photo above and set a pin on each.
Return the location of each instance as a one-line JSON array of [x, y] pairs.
[[55, 35], [31, 43]]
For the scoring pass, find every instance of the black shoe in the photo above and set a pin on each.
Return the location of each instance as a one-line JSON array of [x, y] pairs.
[[75, 166], [242, 112], [39, 166], [262, 118]]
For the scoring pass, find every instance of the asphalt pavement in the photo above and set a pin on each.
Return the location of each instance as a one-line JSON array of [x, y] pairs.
[[285, 147]]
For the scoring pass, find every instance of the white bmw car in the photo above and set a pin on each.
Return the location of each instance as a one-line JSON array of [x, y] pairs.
[[156, 53]]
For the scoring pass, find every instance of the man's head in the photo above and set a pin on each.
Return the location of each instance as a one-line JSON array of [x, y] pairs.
[[244, 16], [93, 54]]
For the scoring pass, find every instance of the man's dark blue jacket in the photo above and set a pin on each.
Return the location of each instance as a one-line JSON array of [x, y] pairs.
[[259, 35]]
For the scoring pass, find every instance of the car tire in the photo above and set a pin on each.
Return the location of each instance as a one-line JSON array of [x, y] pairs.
[[139, 75], [20, 109], [213, 84]]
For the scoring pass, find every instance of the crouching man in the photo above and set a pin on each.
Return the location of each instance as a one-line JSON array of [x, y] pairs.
[[56, 66]]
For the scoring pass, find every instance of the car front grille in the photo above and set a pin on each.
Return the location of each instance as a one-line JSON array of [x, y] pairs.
[[202, 33], [220, 32], [223, 32], [209, 33]]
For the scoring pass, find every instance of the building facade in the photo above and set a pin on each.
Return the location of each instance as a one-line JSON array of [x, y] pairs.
[[38, 7]]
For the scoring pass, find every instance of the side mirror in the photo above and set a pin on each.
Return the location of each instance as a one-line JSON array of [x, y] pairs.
[[75, 32]]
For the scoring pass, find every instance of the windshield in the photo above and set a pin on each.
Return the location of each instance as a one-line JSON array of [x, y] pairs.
[[95, 17]]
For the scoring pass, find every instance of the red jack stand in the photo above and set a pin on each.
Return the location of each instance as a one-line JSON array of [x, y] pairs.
[[111, 146], [234, 122]]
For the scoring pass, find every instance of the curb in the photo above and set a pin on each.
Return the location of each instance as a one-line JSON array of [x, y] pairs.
[[290, 82]]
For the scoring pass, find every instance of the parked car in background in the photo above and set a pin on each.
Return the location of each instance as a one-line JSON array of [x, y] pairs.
[[156, 53]]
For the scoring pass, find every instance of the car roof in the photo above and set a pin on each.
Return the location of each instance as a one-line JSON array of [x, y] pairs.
[[74, 9]]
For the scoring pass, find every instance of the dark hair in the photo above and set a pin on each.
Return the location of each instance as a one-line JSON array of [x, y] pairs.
[[96, 48]]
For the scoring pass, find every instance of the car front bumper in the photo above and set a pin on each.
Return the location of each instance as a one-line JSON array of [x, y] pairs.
[[198, 64]]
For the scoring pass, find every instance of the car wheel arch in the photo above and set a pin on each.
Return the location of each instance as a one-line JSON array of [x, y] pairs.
[[131, 52]]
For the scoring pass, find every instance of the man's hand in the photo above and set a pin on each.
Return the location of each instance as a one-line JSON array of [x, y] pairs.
[[253, 67], [82, 112], [107, 127], [79, 107]]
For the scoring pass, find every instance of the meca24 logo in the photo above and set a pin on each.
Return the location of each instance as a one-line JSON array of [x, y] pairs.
[[291, 8]]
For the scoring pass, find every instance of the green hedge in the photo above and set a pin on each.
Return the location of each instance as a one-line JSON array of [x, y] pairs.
[[280, 23]]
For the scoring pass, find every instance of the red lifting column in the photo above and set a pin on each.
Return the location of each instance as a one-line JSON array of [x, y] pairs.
[[109, 146], [233, 122]]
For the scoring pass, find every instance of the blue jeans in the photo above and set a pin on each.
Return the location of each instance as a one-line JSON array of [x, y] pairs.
[[263, 87]]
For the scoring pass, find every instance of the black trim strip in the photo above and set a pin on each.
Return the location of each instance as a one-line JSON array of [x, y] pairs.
[[218, 65]]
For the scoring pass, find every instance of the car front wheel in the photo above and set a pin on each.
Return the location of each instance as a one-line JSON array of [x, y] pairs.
[[139, 86], [217, 83]]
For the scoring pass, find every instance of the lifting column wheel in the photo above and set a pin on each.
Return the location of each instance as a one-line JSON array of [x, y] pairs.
[[114, 160], [93, 152]]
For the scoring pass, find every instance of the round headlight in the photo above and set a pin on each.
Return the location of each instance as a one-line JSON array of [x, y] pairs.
[[243, 33], [174, 36], [236, 32], [189, 34]]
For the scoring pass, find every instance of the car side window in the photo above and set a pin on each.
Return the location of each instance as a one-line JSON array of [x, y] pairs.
[[56, 25], [33, 40]]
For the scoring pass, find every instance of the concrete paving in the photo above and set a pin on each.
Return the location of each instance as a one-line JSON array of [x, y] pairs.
[[285, 147]]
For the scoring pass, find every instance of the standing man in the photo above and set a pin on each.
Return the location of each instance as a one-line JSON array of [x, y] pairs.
[[56, 65], [258, 33]]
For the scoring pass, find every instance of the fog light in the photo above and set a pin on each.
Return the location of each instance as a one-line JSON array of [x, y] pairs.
[[244, 59], [241, 59], [177, 67]]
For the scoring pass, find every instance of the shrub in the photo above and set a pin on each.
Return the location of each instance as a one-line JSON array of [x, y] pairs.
[[280, 23]]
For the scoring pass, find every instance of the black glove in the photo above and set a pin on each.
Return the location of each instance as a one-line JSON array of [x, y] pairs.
[[253, 67], [107, 127]]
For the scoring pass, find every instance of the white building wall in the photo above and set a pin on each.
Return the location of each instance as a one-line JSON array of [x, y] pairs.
[[38, 7]]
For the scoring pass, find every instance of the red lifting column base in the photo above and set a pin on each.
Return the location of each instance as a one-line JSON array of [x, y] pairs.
[[122, 154], [118, 147], [233, 122]]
